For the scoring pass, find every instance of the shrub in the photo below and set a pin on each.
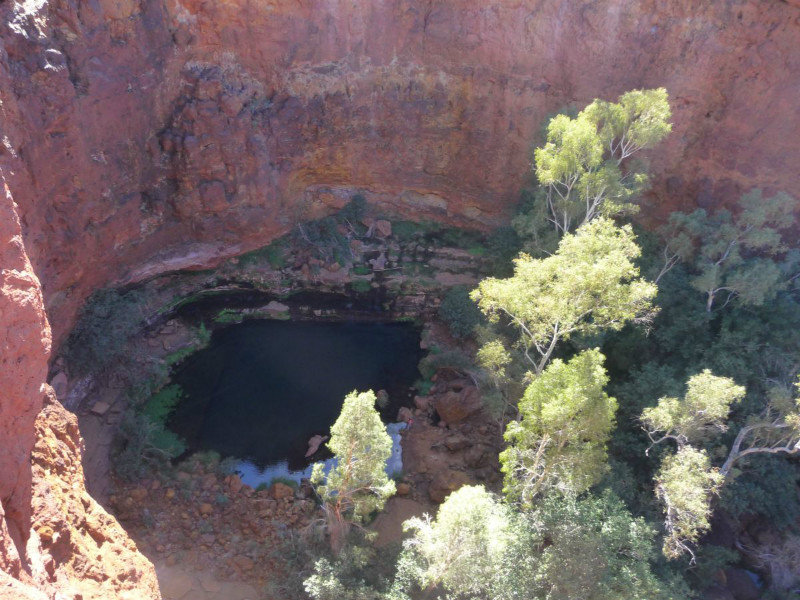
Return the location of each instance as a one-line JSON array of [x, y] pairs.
[[360, 286], [161, 405], [285, 481], [353, 211], [141, 447], [106, 323], [460, 313]]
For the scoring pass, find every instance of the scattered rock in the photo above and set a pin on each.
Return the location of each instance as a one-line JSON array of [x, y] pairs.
[[60, 385], [456, 442], [314, 444], [445, 482], [234, 483], [243, 562], [405, 415], [138, 494], [100, 408], [275, 306], [454, 406]]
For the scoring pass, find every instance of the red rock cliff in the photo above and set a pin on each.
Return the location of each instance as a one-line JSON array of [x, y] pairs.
[[140, 136], [157, 134]]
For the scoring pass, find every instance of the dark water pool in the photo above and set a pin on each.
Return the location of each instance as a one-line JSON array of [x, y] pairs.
[[261, 389]]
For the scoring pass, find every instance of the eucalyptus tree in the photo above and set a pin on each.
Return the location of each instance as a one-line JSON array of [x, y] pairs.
[[357, 484], [560, 440], [734, 254], [687, 481], [589, 285], [584, 164]]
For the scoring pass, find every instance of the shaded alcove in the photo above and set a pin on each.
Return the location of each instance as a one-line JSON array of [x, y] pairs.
[[261, 389]]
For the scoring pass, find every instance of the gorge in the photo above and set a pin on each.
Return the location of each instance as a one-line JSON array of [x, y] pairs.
[[152, 141]]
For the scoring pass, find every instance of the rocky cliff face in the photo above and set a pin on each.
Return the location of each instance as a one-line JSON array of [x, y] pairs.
[[150, 135], [142, 136]]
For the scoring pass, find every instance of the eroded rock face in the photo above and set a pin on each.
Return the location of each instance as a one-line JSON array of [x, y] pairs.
[[54, 538], [151, 136]]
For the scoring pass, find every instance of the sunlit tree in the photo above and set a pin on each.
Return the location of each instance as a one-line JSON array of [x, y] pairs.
[[560, 440], [357, 484], [589, 285]]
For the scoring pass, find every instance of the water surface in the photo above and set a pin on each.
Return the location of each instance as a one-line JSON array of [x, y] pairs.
[[261, 389]]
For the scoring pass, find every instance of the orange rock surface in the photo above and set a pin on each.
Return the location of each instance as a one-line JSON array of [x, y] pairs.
[[138, 137]]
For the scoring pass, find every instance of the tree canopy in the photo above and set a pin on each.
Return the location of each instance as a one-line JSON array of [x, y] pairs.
[[582, 163], [590, 284], [732, 254], [560, 440], [357, 484]]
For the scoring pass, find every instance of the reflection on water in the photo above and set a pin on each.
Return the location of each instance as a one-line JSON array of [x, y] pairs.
[[262, 389], [253, 475]]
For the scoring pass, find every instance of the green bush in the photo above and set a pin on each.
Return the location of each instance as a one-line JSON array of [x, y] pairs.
[[160, 406], [105, 324], [142, 447], [360, 286], [361, 270], [448, 359], [353, 211], [460, 313], [284, 480]]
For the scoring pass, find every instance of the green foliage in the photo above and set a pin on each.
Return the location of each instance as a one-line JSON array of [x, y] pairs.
[[274, 254], [454, 360], [464, 548], [477, 547], [327, 239], [105, 325], [560, 441], [354, 211], [361, 270], [162, 403], [227, 316], [767, 487], [357, 484], [460, 313], [733, 256], [502, 245], [360, 286], [285, 481], [685, 484], [591, 284], [594, 549], [343, 578], [581, 164], [702, 410], [141, 446]]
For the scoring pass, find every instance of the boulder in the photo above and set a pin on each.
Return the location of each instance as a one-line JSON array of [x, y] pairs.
[[280, 491], [383, 228], [405, 415], [445, 482], [206, 509], [741, 585], [100, 408], [454, 407], [60, 385]]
